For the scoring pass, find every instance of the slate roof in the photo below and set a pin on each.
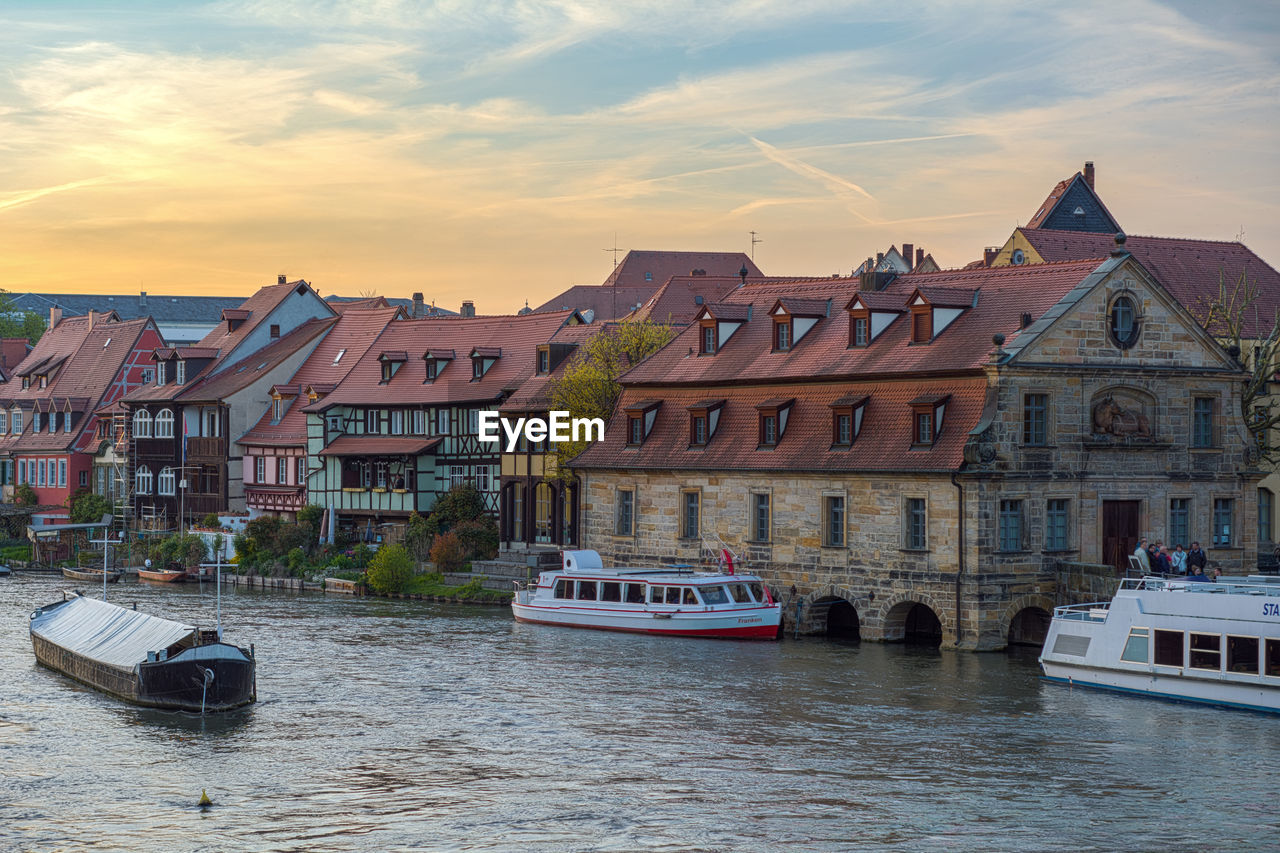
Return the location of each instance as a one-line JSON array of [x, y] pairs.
[[1057, 211], [519, 336], [1005, 294], [1189, 269], [355, 332], [160, 307]]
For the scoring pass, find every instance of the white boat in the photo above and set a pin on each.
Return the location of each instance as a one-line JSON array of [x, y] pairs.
[[677, 601], [1215, 643]]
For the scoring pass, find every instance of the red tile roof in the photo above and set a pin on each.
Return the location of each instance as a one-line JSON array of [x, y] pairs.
[[1006, 293], [361, 445], [883, 444], [678, 300], [606, 303], [244, 372], [533, 393], [1189, 269], [520, 336], [329, 363]]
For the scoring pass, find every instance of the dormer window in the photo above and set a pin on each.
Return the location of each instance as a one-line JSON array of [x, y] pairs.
[[53, 422], [704, 417], [180, 372], [717, 323], [927, 419], [433, 369], [782, 334], [860, 331], [35, 421], [235, 318], [773, 416], [921, 324], [483, 358], [640, 420], [846, 420], [933, 309], [16, 422], [277, 409], [544, 361], [160, 372], [44, 381], [391, 362], [436, 360], [793, 318], [707, 344], [26, 382]]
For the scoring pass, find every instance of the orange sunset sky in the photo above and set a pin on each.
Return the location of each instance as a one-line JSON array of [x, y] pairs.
[[491, 151]]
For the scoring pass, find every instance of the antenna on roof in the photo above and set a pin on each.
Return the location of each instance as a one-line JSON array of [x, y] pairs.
[[615, 249], [754, 240]]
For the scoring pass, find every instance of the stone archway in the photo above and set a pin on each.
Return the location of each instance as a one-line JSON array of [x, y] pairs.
[[831, 611], [914, 617], [1026, 620]]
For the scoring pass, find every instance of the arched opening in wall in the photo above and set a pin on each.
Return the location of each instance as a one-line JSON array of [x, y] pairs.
[[1029, 627], [921, 627], [842, 621]]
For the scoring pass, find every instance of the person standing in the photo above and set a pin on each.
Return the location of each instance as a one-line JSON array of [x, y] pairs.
[[1178, 559], [1164, 565], [1144, 559], [1196, 558]]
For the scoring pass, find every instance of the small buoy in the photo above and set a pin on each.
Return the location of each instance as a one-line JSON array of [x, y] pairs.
[[205, 802]]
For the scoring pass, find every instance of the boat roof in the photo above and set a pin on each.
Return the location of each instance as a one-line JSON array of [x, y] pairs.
[[676, 574], [106, 632]]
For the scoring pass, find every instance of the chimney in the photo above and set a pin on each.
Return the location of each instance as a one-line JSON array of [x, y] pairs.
[[418, 307], [142, 300], [91, 315], [907, 249], [280, 279], [468, 308], [1088, 173], [989, 254], [55, 317], [879, 258], [919, 258]]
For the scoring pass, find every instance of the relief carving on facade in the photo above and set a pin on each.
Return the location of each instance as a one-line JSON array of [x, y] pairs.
[[980, 450], [1121, 416]]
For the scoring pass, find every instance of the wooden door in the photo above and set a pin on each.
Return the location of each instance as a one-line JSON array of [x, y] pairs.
[[1119, 532]]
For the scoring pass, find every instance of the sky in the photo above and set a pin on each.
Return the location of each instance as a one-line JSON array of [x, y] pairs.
[[495, 151]]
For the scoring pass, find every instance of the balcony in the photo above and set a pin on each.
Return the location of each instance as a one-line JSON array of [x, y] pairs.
[[212, 448]]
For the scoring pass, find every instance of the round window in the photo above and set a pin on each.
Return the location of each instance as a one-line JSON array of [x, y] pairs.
[[1018, 258], [1124, 322]]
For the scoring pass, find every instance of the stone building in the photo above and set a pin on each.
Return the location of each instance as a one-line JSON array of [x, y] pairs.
[[919, 459]]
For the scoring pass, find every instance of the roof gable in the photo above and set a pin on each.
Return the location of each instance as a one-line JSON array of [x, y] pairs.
[[1072, 205]]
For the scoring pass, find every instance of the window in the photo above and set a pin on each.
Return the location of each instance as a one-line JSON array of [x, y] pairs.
[[433, 369], [4, 422], [66, 422], [1168, 648], [1035, 425], [84, 477], [610, 591], [917, 524], [648, 276], [17, 421], [1136, 648], [1265, 503], [1124, 322], [335, 424], [260, 470], [624, 518], [1242, 654], [1055, 528], [698, 429], [1206, 651], [35, 422], [924, 428], [833, 521], [282, 470], [484, 478], [372, 421], [160, 370], [1179, 521], [143, 480], [275, 330], [782, 335], [22, 471], [164, 423], [397, 423], [380, 475], [419, 422], [473, 422], [62, 473], [691, 515], [564, 589], [768, 429], [40, 472], [53, 422], [166, 483], [842, 429], [1223, 512], [180, 372], [1010, 525], [141, 424], [921, 325], [443, 418], [761, 517], [302, 470], [709, 340], [1202, 422], [635, 430], [477, 368], [544, 361], [277, 409], [457, 475], [860, 331]]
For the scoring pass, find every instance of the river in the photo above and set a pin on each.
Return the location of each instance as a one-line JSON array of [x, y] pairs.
[[388, 725]]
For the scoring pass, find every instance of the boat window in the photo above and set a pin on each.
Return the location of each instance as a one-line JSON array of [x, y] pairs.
[[1206, 651], [610, 591], [586, 590], [633, 593], [1168, 648], [1135, 649], [673, 595], [689, 597], [757, 591], [564, 588], [1273, 658], [713, 595], [656, 593], [739, 593], [1242, 655]]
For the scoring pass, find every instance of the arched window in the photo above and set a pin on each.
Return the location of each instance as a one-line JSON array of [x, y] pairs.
[[164, 425], [143, 478], [1123, 321], [142, 427], [167, 483]]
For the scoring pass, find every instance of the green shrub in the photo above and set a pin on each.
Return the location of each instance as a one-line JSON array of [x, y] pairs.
[[479, 538], [186, 551], [211, 520], [418, 537], [24, 495], [447, 553], [461, 503], [390, 569], [87, 507], [362, 554]]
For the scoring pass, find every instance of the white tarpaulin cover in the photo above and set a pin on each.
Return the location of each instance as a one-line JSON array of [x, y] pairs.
[[107, 633]]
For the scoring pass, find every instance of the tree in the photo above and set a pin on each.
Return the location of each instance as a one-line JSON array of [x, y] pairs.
[[1234, 317], [24, 495], [87, 506], [417, 537], [390, 570], [590, 386], [461, 503], [19, 324]]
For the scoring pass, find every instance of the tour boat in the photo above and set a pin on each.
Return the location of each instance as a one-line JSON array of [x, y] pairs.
[[141, 658], [676, 601], [1215, 643]]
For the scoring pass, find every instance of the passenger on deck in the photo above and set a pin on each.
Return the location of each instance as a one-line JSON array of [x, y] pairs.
[[1197, 574], [1196, 557], [1163, 564], [1179, 559], [1144, 559]]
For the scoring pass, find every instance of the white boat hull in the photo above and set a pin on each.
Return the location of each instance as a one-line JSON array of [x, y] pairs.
[[760, 623], [1182, 688]]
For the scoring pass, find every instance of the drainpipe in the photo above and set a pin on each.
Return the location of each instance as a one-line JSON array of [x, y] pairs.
[[960, 553]]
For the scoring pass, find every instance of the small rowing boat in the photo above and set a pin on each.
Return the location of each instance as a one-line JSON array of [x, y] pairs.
[[94, 575], [162, 575]]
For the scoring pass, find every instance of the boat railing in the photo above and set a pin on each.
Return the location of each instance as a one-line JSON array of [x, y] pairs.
[[1221, 586], [1096, 612]]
